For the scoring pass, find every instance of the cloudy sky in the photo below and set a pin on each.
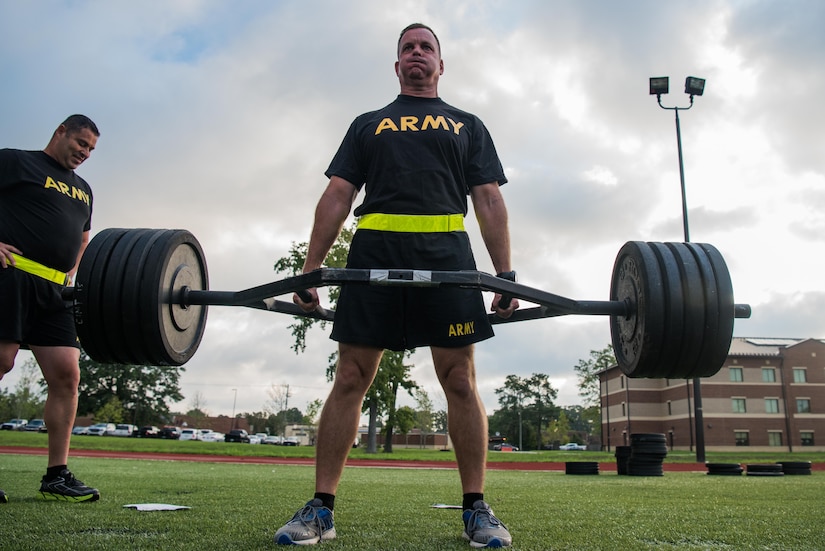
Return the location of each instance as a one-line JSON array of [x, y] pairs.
[[221, 117]]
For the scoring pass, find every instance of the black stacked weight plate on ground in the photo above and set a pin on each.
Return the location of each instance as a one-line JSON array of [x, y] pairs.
[[581, 467], [724, 469], [647, 453], [763, 469], [795, 467], [622, 458]]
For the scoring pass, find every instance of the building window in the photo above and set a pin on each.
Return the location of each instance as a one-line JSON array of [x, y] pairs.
[[738, 405], [742, 438], [774, 438], [771, 405], [623, 409], [621, 381], [768, 375], [807, 438], [803, 405], [669, 408], [736, 375], [800, 375]]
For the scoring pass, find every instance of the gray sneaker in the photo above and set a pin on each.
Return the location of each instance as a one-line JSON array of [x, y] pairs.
[[3, 497], [311, 524], [483, 529]]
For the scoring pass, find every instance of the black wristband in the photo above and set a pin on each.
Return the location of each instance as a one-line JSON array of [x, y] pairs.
[[510, 276]]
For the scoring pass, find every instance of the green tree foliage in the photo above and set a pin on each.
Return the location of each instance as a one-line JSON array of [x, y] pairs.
[[110, 412], [588, 372], [392, 375], [144, 392], [532, 397], [27, 400]]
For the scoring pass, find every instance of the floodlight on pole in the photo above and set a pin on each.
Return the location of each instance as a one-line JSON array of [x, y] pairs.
[[693, 87]]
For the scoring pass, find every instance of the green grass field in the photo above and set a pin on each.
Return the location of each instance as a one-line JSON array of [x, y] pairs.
[[241, 506]]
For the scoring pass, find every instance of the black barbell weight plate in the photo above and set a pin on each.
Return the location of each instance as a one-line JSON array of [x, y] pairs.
[[694, 306], [674, 313], [704, 364], [637, 337], [88, 299], [173, 332], [719, 343], [116, 303]]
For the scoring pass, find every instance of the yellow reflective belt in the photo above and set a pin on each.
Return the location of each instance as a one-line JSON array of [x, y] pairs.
[[35, 268], [417, 223]]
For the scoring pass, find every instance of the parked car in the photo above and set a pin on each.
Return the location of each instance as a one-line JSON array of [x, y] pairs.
[[35, 425], [124, 430], [101, 429], [272, 440], [14, 424], [170, 433], [190, 434], [237, 435], [290, 441], [213, 436], [572, 446], [505, 447], [80, 430], [149, 431]]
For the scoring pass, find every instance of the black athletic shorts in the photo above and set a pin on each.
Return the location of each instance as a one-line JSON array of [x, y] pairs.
[[32, 312], [402, 318]]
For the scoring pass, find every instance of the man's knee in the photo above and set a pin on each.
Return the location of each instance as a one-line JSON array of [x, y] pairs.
[[8, 351]]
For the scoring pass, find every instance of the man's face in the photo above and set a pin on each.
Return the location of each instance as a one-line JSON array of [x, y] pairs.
[[419, 58], [72, 148]]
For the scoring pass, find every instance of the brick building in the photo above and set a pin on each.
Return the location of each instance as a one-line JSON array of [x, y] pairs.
[[769, 394]]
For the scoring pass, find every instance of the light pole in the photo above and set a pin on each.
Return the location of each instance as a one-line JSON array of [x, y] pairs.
[[693, 87], [234, 401]]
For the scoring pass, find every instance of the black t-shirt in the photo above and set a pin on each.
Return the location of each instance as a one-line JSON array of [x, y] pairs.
[[417, 156], [44, 208]]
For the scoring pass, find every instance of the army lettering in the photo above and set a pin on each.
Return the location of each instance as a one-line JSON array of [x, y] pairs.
[[74, 193], [411, 124], [462, 329]]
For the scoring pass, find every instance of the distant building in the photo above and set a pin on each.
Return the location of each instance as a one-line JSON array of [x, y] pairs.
[[769, 395]]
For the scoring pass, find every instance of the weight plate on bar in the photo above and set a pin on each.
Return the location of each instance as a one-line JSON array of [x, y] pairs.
[[637, 337], [88, 301], [711, 329], [115, 303], [674, 324], [172, 332], [693, 307], [719, 343]]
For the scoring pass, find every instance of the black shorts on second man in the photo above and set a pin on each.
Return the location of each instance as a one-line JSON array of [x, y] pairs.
[[403, 317], [33, 312]]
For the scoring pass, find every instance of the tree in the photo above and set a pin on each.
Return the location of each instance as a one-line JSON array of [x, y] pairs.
[[111, 412], [424, 416], [588, 372], [144, 392], [532, 397], [28, 399]]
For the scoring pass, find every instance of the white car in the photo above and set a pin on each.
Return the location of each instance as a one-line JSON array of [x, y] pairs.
[[80, 430], [190, 434], [572, 446], [124, 430], [14, 424], [272, 440], [213, 436], [101, 429]]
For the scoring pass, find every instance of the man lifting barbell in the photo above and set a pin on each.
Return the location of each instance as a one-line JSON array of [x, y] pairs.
[[45, 217]]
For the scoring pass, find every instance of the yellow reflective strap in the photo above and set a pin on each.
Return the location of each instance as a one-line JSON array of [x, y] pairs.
[[415, 223], [35, 268]]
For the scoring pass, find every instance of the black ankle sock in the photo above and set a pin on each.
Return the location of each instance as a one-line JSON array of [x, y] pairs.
[[469, 499], [54, 472], [327, 499]]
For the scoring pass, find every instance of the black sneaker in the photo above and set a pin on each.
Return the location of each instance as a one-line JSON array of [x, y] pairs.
[[67, 488], [3, 497]]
